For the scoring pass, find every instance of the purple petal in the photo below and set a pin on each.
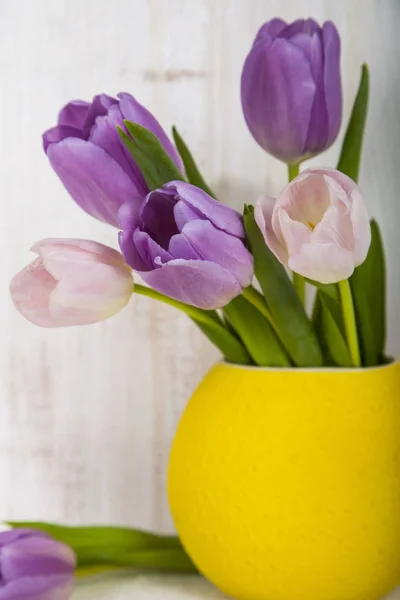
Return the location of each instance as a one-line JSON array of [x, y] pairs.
[[180, 247], [308, 26], [93, 178], [59, 133], [332, 80], [130, 252], [277, 98], [317, 138], [128, 215], [151, 253], [74, 114], [157, 217], [221, 216], [32, 556], [6, 537], [221, 248], [54, 587], [184, 213], [104, 134], [99, 107], [133, 111], [270, 30], [199, 283]]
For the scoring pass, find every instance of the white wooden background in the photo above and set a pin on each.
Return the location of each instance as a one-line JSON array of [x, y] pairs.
[[87, 414]]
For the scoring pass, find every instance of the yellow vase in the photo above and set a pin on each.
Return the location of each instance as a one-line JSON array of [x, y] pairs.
[[285, 485]]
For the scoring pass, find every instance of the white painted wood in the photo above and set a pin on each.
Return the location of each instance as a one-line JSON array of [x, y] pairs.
[[87, 414]]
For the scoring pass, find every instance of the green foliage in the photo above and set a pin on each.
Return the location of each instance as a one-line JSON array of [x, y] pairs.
[[192, 172]]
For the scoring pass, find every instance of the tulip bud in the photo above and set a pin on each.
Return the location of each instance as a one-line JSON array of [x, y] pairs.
[[33, 566], [86, 152], [72, 282], [291, 88], [318, 227], [187, 245]]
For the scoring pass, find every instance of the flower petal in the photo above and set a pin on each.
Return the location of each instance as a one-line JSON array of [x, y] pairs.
[[263, 212], [98, 107], [294, 233], [133, 111], [54, 587], [180, 247], [220, 215], [220, 247], [34, 556], [332, 80], [305, 199], [30, 290], [278, 92], [74, 114], [59, 133], [361, 227], [326, 263], [199, 283], [104, 134], [151, 253], [270, 30], [94, 179], [335, 228]]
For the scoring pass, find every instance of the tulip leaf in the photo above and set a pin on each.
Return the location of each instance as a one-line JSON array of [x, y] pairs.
[[331, 330], [192, 172], [111, 547], [368, 286], [329, 289], [350, 157], [294, 327], [256, 333], [155, 164]]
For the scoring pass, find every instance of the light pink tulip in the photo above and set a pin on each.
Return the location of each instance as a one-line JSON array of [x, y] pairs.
[[318, 227], [72, 282]]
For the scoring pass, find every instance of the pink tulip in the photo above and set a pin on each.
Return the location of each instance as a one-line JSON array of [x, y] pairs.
[[318, 227], [72, 282]]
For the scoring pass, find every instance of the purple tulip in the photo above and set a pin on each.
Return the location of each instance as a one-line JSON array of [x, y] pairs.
[[87, 154], [291, 88], [187, 245], [33, 566]]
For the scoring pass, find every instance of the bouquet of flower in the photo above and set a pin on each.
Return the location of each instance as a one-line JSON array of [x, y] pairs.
[[241, 278]]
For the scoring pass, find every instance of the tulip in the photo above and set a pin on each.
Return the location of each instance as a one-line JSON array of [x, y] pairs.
[[33, 566], [187, 245], [72, 282], [291, 88], [87, 154], [318, 227]]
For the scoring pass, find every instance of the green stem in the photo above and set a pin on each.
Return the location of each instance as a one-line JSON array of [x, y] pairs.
[[208, 317], [209, 322], [298, 281], [349, 320]]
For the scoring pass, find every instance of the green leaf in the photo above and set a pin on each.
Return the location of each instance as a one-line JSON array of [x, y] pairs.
[[232, 348], [349, 161], [329, 289], [192, 172], [155, 164], [111, 547], [294, 327], [368, 286], [256, 334]]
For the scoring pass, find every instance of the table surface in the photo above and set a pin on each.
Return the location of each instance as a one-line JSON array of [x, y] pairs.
[[154, 587]]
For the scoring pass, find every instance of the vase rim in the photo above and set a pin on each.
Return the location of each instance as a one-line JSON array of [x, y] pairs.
[[391, 362]]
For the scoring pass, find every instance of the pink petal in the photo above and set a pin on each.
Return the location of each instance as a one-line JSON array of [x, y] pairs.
[[30, 290], [335, 228], [294, 233], [263, 213], [326, 263]]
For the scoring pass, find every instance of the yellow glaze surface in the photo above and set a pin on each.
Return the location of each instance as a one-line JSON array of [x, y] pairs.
[[285, 485]]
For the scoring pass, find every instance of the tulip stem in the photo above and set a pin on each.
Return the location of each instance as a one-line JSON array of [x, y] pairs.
[[298, 281], [209, 322], [349, 319]]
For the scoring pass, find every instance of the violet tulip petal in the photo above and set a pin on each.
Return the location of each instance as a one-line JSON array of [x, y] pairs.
[[184, 213], [277, 97], [326, 263], [98, 107], [96, 182], [221, 248], [157, 213], [130, 252], [59, 133], [199, 283], [53, 587], [221, 216], [74, 114], [133, 111], [308, 26], [332, 81], [32, 555], [151, 253], [270, 30], [180, 247]]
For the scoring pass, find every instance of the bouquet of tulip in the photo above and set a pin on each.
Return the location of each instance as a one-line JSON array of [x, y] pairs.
[[241, 278]]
